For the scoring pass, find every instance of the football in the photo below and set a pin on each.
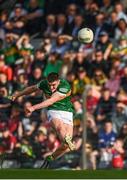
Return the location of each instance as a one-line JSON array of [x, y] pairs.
[[85, 35]]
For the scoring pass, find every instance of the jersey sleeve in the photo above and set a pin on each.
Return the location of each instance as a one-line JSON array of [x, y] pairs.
[[64, 88]]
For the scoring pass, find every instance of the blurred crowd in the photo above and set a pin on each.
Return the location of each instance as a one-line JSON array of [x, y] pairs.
[[99, 69]]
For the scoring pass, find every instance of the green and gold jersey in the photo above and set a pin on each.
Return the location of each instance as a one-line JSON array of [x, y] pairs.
[[11, 54], [64, 88]]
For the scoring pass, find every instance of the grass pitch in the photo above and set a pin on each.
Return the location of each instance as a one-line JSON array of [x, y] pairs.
[[61, 174]]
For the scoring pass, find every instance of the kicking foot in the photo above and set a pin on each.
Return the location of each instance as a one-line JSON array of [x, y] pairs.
[[45, 165], [46, 162]]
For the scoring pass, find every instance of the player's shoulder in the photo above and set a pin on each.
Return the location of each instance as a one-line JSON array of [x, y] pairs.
[[64, 82], [64, 86], [42, 83]]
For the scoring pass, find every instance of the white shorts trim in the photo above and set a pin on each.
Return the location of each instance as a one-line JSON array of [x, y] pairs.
[[65, 116]]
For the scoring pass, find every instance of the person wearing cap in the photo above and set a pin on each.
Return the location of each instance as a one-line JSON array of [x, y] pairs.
[[120, 51], [104, 44]]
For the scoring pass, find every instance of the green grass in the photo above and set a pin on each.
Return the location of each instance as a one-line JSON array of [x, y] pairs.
[[63, 174]]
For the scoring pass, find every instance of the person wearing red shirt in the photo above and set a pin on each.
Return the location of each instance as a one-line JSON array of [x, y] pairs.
[[14, 120], [118, 154], [91, 101], [8, 141], [6, 69]]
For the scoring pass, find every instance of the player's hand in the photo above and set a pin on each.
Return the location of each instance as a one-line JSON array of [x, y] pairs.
[[13, 97], [29, 110]]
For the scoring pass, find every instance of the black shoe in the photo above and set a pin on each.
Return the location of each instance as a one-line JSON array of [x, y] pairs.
[[45, 164]]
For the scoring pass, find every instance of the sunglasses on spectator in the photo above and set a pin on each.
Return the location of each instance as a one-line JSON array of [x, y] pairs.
[[98, 55], [98, 75]]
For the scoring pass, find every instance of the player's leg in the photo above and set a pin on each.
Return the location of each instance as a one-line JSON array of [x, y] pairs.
[[62, 122], [65, 132]]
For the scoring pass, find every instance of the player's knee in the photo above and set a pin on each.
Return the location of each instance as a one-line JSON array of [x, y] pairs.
[[65, 146]]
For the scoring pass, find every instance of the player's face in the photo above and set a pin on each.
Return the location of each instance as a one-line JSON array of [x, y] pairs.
[[54, 85]]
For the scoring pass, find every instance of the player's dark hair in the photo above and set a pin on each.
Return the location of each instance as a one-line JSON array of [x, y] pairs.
[[52, 77]]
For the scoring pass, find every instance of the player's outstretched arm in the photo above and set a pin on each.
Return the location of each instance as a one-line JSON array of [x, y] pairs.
[[26, 91], [54, 98]]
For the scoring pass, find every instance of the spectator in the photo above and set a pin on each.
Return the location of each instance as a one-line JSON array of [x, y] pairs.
[[106, 106], [24, 46], [53, 143], [123, 135], [4, 83], [71, 12], [112, 23], [80, 82], [124, 81], [99, 62], [92, 130], [104, 44], [107, 136], [113, 84], [48, 28], [39, 59], [1, 48], [77, 25], [90, 10], [61, 45], [6, 69], [67, 64], [3, 20], [119, 9], [61, 25], [119, 52], [36, 76], [100, 25], [81, 61], [8, 141], [21, 81], [121, 29], [39, 143], [106, 139], [14, 120], [17, 19], [10, 50], [18, 12], [78, 113], [107, 7], [91, 101], [33, 17], [119, 117], [54, 64], [4, 104], [118, 154], [99, 79], [28, 124]]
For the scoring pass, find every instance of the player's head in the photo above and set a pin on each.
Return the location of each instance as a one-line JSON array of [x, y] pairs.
[[53, 81]]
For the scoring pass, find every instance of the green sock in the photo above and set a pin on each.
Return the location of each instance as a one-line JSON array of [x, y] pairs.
[[50, 158]]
